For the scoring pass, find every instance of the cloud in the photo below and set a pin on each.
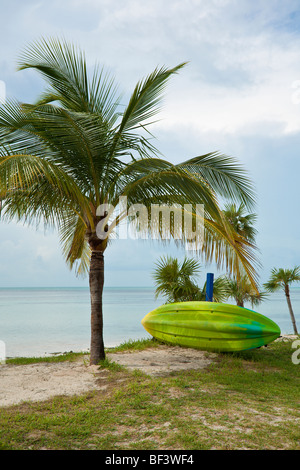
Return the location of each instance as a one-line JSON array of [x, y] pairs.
[[238, 94], [31, 258], [243, 56]]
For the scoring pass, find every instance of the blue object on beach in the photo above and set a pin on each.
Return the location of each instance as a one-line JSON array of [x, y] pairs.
[[209, 287]]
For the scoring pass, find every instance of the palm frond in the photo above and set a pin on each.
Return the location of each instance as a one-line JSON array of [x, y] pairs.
[[146, 98], [224, 175], [35, 189], [242, 291], [75, 248], [64, 67], [230, 250], [176, 281], [143, 104], [280, 278]]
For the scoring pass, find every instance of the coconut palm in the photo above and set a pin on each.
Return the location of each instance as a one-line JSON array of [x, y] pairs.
[[282, 279], [178, 281], [68, 159], [242, 291]]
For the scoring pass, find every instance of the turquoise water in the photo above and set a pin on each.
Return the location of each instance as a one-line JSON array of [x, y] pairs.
[[38, 321]]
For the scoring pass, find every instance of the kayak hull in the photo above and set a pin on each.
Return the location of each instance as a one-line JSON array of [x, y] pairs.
[[210, 326]]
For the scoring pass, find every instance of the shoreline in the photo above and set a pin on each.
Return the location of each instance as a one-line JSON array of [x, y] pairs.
[[283, 337], [79, 350]]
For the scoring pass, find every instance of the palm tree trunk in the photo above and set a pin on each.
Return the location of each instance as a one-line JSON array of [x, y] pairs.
[[96, 280], [288, 299]]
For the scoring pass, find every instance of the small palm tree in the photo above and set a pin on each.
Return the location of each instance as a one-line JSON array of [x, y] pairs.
[[79, 148], [281, 279], [242, 291], [178, 281]]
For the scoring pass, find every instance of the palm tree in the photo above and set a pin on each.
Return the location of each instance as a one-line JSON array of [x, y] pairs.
[[240, 288], [242, 291], [78, 149], [281, 279], [178, 281], [175, 280]]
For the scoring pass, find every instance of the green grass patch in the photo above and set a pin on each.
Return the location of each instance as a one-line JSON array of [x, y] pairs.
[[67, 356], [248, 400], [110, 365], [130, 345], [135, 345]]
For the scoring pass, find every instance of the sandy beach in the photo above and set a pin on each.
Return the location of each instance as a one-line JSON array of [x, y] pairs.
[[41, 381]]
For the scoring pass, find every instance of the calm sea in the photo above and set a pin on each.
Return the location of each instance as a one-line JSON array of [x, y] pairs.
[[38, 321]]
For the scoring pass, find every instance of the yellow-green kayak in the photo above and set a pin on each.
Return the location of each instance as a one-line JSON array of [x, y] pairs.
[[210, 326]]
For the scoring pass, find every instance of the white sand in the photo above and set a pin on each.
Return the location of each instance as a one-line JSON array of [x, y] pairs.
[[38, 382], [41, 381], [162, 360]]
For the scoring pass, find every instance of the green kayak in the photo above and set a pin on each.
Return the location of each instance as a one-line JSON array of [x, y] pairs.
[[210, 326]]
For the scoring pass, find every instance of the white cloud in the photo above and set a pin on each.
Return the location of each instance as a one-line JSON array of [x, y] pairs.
[[243, 55], [238, 94], [263, 108]]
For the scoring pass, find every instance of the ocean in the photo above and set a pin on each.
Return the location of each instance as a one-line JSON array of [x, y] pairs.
[[41, 321]]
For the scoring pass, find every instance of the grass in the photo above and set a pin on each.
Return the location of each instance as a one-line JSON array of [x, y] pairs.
[[135, 345], [67, 356], [131, 345], [248, 400]]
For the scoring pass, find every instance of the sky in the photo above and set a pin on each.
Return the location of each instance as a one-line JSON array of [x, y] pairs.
[[239, 94]]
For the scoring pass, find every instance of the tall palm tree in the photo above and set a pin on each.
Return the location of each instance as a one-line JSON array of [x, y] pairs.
[[281, 279], [178, 281], [78, 149]]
